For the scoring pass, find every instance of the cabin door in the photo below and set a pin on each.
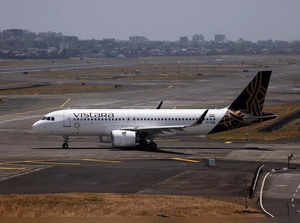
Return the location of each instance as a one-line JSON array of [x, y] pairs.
[[67, 122]]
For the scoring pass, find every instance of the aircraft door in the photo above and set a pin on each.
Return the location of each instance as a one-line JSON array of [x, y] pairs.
[[67, 122], [76, 126]]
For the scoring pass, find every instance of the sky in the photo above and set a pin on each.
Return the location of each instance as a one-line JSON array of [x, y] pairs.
[[156, 19]]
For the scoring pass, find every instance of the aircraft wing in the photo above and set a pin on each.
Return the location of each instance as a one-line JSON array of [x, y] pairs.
[[155, 130]]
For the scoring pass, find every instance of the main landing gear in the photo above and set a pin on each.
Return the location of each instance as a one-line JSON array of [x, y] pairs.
[[65, 145], [148, 145]]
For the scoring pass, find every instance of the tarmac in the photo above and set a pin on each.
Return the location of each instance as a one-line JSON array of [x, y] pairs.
[[31, 163]]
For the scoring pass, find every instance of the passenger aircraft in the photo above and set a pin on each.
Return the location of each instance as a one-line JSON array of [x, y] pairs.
[[139, 127]]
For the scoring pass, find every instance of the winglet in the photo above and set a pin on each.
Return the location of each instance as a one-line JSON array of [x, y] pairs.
[[159, 105], [201, 119]]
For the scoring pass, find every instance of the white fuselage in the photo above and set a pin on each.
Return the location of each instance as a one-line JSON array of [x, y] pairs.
[[101, 122]]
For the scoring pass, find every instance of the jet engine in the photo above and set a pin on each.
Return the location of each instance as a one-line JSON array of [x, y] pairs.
[[123, 138]]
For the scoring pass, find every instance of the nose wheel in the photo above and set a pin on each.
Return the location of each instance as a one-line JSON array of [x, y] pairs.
[[65, 145]]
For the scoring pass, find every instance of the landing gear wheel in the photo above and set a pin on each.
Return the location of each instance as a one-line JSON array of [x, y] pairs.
[[65, 145], [152, 146]]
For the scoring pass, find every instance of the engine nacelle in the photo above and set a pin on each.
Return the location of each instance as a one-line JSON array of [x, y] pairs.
[[123, 138]]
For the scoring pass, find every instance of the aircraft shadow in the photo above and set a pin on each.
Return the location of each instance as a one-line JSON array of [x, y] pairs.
[[151, 151], [218, 148], [159, 150], [112, 149], [70, 148]]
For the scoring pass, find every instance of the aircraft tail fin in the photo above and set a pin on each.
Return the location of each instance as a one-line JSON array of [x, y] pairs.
[[252, 98]]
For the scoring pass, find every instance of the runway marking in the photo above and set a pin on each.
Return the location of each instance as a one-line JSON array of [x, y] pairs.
[[186, 160], [101, 161], [166, 140], [66, 102], [22, 161], [50, 163], [261, 195], [283, 185], [12, 168]]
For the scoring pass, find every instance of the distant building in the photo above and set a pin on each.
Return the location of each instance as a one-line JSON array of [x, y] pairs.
[[108, 40], [48, 35], [198, 38], [220, 38], [183, 40], [138, 39], [13, 34]]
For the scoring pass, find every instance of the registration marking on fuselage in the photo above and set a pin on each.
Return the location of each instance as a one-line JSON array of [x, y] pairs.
[[185, 160]]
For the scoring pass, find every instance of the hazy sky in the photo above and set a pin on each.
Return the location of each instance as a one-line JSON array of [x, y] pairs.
[[156, 19]]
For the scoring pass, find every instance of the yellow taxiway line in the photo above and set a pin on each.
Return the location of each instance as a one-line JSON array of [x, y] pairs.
[[66, 102], [50, 163], [228, 142], [12, 168], [101, 161], [186, 160]]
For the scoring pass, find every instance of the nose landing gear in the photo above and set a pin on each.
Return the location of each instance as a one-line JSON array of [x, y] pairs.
[[65, 145]]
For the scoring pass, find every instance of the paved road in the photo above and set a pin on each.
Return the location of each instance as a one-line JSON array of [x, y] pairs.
[[10, 69], [179, 176], [282, 195]]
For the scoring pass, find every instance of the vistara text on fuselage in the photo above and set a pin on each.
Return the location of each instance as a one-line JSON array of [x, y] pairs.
[[139, 127]]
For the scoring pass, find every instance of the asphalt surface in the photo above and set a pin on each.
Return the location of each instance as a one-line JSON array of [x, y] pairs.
[[72, 66], [281, 195], [175, 175], [31, 163]]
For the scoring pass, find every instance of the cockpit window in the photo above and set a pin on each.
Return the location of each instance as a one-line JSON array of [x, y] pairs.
[[48, 118]]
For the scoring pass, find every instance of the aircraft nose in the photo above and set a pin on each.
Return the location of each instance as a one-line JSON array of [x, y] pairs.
[[35, 126]]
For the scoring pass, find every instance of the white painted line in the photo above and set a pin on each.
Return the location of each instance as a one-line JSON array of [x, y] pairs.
[[261, 193]]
